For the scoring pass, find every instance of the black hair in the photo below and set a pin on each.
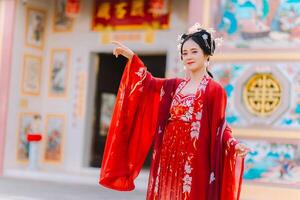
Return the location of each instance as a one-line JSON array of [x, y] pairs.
[[205, 42]]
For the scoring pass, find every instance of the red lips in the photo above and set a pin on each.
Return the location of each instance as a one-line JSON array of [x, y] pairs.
[[190, 62]]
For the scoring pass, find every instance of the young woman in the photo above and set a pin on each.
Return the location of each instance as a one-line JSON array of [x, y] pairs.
[[195, 155]]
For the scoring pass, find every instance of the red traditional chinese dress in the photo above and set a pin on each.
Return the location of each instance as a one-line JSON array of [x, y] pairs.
[[193, 157]]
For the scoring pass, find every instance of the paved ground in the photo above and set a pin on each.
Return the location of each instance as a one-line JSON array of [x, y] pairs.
[[26, 189]]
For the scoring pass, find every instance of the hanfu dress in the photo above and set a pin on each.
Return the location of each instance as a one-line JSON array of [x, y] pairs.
[[193, 156]]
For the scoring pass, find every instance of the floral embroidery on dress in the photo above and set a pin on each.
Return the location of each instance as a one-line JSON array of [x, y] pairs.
[[187, 179], [162, 93], [195, 130], [179, 145], [182, 107], [212, 178], [141, 73]]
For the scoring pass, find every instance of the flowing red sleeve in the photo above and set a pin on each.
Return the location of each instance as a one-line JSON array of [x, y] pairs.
[[229, 167], [228, 140], [233, 165], [132, 127]]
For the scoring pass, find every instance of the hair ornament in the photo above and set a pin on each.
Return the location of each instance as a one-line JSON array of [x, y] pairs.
[[209, 32], [195, 28], [179, 38], [219, 41], [205, 38]]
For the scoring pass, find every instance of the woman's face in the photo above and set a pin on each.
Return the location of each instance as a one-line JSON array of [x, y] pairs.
[[192, 56]]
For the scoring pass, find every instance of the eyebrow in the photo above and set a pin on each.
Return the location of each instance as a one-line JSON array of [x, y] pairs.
[[191, 49]]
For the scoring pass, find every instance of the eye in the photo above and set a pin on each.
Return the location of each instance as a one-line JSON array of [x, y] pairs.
[[195, 51], [184, 53]]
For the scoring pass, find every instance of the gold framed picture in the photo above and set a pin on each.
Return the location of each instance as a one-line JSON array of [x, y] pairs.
[[35, 27], [61, 22], [31, 77], [54, 138], [59, 73]]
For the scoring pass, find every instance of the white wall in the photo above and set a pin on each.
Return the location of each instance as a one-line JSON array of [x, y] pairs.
[[83, 44], [34, 104]]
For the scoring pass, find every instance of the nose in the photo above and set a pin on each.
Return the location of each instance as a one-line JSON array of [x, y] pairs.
[[187, 56]]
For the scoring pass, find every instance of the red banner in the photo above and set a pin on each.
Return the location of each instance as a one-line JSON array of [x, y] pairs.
[[131, 14]]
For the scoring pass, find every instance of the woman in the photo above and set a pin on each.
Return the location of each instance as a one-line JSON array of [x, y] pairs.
[[195, 155]]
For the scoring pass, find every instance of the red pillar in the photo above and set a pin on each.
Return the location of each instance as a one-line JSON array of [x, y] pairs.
[[7, 30]]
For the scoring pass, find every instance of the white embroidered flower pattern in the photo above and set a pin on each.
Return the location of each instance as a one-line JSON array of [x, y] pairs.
[[212, 178], [196, 125], [198, 115], [187, 168], [187, 179], [195, 134], [186, 188], [162, 93], [141, 72], [195, 130]]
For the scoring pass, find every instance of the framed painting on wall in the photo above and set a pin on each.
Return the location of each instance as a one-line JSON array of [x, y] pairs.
[[61, 22], [54, 139], [25, 127], [58, 72], [257, 25], [31, 80], [35, 27]]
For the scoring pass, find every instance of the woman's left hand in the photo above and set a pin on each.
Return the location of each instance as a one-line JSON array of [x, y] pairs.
[[242, 150]]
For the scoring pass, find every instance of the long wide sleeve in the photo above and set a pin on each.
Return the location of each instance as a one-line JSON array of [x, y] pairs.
[[227, 167], [132, 127]]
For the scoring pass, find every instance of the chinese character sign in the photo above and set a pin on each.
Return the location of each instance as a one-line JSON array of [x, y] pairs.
[[131, 14]]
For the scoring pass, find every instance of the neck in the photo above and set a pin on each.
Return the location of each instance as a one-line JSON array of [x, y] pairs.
[[196, 76]]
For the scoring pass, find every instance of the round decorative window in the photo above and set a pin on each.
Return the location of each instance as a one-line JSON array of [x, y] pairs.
[[262, 94]]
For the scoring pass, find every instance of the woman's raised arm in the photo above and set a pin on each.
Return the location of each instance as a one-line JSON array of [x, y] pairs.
[[123, 50]]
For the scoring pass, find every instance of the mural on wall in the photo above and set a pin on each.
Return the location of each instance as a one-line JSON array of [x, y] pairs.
[[58, 74], [61, 22], [107, 107], [262, 24], [35, 27], [31, 81], [25, 127], [54, 141], [284, 84], [273, 162]]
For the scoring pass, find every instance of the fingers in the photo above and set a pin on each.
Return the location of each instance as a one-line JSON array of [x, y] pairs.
[[117, 51], [122, 49], [242, 150], [243, 155], [118, 43]]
